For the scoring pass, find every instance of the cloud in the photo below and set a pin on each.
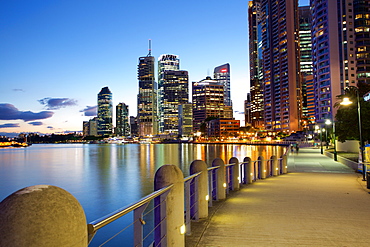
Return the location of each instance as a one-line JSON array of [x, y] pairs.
[[37, 123], [90, 111], [10, 112], [57, 103], [9, 125], [18, 90], [50, 127]]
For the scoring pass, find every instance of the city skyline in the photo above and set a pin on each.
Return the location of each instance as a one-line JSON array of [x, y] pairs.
[[56, 56]]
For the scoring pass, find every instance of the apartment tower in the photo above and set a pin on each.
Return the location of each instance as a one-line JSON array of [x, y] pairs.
[[105, 112]]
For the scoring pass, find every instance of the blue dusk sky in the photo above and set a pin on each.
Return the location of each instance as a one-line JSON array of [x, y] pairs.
[[56, 55]]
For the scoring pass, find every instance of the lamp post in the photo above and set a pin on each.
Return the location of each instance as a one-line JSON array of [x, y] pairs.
[[327, 122], [346, 101]]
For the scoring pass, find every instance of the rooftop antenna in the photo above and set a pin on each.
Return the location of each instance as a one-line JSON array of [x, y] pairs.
[[150, 48]]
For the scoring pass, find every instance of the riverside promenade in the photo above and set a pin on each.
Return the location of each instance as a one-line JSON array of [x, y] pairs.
[[319, 202]]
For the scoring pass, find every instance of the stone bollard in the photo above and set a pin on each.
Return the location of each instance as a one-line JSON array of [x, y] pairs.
[[248, 170], [42, 215], [284, 164], [261, 167], [203, 197], [221, 183], [167, 175], [275, 168], [236, 176]]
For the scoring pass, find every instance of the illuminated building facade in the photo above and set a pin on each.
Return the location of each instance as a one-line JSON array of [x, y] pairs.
[[223, 128], [105, 112], [175, 92], [254, 107], [185, 119], [147, 97], [333, 48], [122, 120], [362, 30], [208, 101], [222, 75], [278, 38]]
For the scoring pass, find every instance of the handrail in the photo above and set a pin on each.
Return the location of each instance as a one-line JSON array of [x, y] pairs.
[[213, 168], [192, 176], [232, 164], [105, 220]]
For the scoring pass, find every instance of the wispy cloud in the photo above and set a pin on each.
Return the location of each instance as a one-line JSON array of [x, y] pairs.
[[90, 111], [37, 123], [57, 103], [18, 90], [9, 125], [10, 112]]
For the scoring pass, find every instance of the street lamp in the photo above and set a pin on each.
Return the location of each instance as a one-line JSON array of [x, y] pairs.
[[346, 101], [327, 122]]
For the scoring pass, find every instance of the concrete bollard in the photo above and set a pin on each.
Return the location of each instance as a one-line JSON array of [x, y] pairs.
[[248, 170], [275, 168], [261, 167], [284, 164], [167, 175], [42, 215], [221, 182], [203, 197], [236, 182]]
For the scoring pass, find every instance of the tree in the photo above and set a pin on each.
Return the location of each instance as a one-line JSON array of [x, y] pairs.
[[347, 126]]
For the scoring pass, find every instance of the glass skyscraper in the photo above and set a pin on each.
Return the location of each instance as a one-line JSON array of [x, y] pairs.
[[122, 120], [105, 112]]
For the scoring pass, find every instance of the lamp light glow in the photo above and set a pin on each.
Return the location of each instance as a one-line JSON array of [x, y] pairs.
[[182, 229]]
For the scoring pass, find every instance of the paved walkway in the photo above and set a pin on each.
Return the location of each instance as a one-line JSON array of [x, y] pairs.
[[318, 203]]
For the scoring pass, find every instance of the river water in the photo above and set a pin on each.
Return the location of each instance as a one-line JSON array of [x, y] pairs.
[[105, 177]]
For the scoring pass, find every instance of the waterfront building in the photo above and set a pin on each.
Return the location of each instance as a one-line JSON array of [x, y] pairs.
[[222, 75], [185, 120], [333, 53], [223, 128], [122, 120], [254, 108], [208, 101], [362, 40], [278, 38], [105, 112], [147, 97], [166, 62], [90, 128], [175, 91], [134, 126]]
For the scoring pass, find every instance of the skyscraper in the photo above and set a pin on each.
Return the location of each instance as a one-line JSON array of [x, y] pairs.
[[122, 120], [333, 50], [166, 62], [105, 112], [175, 92], [254, 105], [278, 38], [222, 75], [147, 97], [208, 101]]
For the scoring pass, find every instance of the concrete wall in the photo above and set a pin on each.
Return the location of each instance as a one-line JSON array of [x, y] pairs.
[[350, 146]]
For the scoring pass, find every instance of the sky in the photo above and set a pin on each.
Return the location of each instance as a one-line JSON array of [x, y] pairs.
[[56, 55]]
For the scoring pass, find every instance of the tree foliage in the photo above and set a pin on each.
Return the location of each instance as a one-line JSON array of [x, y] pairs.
[[347, 124]]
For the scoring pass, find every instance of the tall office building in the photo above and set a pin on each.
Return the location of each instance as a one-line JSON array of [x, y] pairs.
[[362, 38], [175, 92], [254, 105], [122, 120], [222, 75], [305, 45], [147, 97], [166, 62], [208, 101], [185, 120], [333, 48], [277, 32], [105, 112]]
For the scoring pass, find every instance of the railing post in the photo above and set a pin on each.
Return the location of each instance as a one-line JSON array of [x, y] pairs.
[[203, 197], [236, 183], [275, 168], [138, 225], [284, 164], [261, 167], [248, 170], [174, 206], [42, 215], [221, 183]]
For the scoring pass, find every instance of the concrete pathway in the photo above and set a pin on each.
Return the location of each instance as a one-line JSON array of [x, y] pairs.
[[318, 203]]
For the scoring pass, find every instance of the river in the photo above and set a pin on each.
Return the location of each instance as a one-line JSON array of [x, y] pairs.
[[105, 177]]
